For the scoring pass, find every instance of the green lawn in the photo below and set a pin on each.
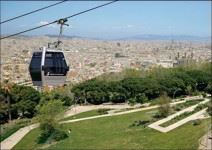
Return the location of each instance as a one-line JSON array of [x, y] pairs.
[[87, 114], [115, 133], [97, 112]]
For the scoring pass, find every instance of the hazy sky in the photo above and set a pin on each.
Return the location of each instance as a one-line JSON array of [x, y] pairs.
[[120, 19]]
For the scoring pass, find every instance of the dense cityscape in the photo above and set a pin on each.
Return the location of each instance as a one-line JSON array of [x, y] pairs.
[[105, 75], [90, 58]]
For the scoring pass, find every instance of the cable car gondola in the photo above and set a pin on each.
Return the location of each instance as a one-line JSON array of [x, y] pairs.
[[48, 66]]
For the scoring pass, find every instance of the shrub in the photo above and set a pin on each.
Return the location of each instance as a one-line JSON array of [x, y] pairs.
[[42, 138], [177, 108], [59, 135], [196, 122], [164, 106], [132, 101], [157, 115], [48, 115], [204, 94], [140, 123], [141, 98], [54, 134], [102, 111]]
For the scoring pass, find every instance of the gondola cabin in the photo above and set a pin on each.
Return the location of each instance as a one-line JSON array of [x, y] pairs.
[[48, 67]]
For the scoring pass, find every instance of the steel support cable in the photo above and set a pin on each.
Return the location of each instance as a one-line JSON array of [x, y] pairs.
[[34, 11], [82, 12]]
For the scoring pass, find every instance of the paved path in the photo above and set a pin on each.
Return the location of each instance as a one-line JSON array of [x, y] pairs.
[[206, 141], [119, 113], [156, 125], [11, 141], [79, 109]]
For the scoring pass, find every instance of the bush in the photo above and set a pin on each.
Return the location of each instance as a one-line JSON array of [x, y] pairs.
[[196, 122], [42, 138], [54, 134], [59, 135], [204, 95], [164, 106], [141, 98], [102, 111], [132, 101], [177, 108], [48, 116], [140, 123]]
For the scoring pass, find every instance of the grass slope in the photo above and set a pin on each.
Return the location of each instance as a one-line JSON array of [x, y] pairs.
[[90, 113], [115, 133]]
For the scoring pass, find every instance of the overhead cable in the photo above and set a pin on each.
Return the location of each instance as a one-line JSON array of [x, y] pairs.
[[82, 12]]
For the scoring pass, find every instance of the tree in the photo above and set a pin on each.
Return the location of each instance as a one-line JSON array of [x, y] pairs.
[[201, 78], [48, 115], [141, 98], [3, 106], [164, 106], [62, 94], [188, 90], [7, 88], [25, 99]]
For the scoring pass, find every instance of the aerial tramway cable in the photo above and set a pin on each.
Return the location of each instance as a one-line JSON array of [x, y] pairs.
[[34, 11], [82, 12]]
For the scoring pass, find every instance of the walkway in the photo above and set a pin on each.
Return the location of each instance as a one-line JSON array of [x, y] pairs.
[[11, 141], [206, 141], [156, 125]]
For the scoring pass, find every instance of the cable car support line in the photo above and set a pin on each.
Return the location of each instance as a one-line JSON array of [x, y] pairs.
[[77, 14], [32, 12]]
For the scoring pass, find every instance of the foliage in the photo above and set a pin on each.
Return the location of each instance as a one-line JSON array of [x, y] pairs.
[[142, 123], [184, 115], [141, 86], [188, 103], [102, 111], [25, 99], [196, 122], [62, 94], [164, 106], [48, 116], [141, 98], [20, 101], [59, 135]]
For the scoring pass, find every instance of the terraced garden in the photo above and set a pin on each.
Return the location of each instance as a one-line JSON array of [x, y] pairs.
[[184, 115], [117, 132]]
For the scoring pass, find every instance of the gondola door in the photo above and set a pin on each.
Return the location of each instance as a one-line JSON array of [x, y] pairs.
[[54, 68]]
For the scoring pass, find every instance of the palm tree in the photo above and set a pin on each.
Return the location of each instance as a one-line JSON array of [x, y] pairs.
[[7, 88]]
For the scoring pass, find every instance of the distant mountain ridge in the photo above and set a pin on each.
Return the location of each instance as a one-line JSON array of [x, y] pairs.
[[147, 37], [167, 37]]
